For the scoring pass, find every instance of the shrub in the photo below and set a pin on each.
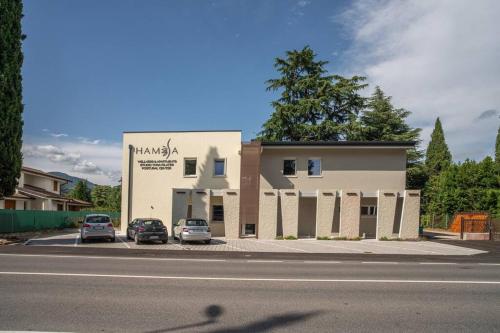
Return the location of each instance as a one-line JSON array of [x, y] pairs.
[[290, 237]]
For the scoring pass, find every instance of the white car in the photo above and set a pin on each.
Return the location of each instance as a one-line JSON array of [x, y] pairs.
[[97, 226], [192, 230]]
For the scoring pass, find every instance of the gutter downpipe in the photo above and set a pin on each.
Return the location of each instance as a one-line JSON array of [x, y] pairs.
[[129, 190]]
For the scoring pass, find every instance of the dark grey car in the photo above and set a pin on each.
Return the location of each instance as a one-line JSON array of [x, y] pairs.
[[147, 230]]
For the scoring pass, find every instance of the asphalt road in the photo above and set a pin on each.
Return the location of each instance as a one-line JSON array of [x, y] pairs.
[[65, 292]]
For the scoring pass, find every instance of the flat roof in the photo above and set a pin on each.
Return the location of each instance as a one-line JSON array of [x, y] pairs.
[[193, 131], [388, 144]]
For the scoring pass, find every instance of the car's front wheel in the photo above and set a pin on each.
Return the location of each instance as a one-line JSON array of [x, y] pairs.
[[136, 239], [208, 241], [128, 236], [113, 239]]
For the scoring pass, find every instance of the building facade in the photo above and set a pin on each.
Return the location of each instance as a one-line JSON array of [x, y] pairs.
[[39, 190], [269, 189]]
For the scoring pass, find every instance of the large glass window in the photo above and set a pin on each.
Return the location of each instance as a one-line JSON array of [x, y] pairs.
[[190, 167], [219, 167], [289, 167], [217, 213], [314, 167]]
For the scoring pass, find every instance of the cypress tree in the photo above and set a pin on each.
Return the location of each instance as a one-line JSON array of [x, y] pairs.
[[497, 147], [81, 191], [11, 106], [438, 157]]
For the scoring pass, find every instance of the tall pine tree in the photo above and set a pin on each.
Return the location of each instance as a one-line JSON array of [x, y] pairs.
[[438, 156], [11, 106], [381, 121], [81, 191], [497, 147], [313, 105]]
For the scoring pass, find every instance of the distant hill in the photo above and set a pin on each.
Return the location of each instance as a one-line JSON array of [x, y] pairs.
[[72, 180]]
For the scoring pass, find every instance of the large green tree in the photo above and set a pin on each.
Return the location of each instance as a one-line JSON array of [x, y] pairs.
[[81, 191], [438, 156], [381, 121], [313, 105], [11, 106]]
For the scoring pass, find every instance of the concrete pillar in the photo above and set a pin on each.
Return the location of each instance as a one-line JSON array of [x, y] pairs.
[[268, 214], [179, 204], [350, 206], [231, 200], [386, 212], [290, 212], [201, 204], [324, 212], [410, 216]]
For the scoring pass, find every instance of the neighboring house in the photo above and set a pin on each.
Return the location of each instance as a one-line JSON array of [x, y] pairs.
[[269, 189], [38, 190]]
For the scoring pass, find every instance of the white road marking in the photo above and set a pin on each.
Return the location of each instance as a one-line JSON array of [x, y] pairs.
[[222, 278], [321, 262], [265, 261], [283, 246], [489, 264], [126, 243], [438, 263], [380, 262], [29, 240], [76, 240]]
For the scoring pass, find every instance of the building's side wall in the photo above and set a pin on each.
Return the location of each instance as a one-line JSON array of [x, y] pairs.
[[42, 182], [152, 189], [268, 214], [289, 200], [410, 215], [307, 217], [367, 169], [350, 213]]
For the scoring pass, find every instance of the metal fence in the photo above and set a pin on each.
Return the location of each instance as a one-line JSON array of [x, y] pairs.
[[32, 220], [436, 221]]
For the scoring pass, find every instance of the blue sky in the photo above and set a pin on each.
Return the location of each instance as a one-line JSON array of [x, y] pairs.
[[94, 69]]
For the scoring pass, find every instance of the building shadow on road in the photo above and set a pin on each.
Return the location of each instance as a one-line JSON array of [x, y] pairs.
[[213, 312]]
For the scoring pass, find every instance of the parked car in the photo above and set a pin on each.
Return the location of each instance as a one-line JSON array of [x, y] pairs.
[[97, 226], [192, 230], [145, 229]]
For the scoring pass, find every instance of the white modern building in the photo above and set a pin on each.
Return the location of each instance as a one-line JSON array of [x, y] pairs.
[[269, 189]]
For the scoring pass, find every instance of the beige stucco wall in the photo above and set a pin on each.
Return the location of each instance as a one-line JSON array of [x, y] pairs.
[[325, 212], [154, 187], [268, 214], [289, 200], [40, 181], [386, 212], [231, 201], [367, 169], [350, 213], [410, 215], [180, 198]]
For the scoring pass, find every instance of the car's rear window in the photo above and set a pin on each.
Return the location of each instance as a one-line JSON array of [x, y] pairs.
[[196, 223], [154, 223], [97, 219]]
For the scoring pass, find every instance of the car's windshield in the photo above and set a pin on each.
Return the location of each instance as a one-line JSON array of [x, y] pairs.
[[97, 219], [154, 223], [196, 223]]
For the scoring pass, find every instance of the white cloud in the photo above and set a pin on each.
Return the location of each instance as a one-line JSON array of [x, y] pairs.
[[436, 58], [58, 135], [89, 141], [100, 164]]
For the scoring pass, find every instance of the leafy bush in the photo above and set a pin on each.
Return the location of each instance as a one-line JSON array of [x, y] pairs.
[[290, 237]]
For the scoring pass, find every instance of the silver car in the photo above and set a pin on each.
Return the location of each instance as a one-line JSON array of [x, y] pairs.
[[192, 230], [97, 226]]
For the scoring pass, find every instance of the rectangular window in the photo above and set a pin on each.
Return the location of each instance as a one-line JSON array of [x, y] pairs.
[[55, 186], [217, 213], [314, 167], [190, 167], [289, 167], [249, 229], [219, 167], [368, 210]]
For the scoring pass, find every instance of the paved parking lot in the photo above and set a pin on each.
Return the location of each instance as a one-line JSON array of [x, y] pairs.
[[255, 245]]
